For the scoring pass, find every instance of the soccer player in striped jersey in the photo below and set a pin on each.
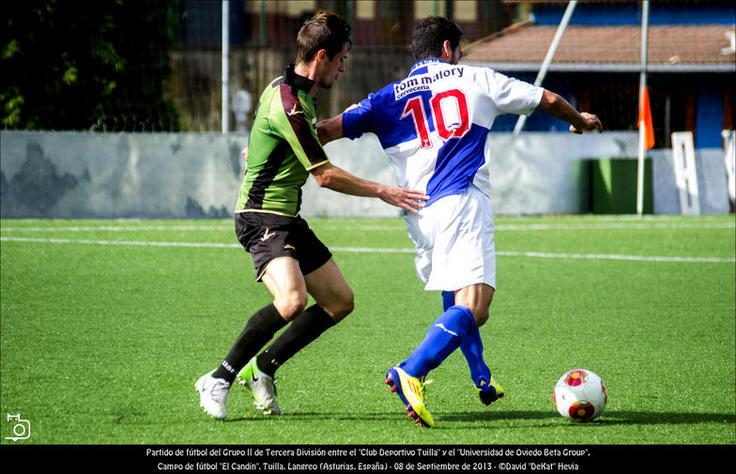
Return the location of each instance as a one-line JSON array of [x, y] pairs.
[[434, 124], [288, 257]]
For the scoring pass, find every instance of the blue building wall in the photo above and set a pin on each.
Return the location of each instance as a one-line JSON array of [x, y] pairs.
[[630, 14], [709, 117]]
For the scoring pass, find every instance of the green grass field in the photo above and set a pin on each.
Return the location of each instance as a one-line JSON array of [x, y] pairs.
[[103, 334]]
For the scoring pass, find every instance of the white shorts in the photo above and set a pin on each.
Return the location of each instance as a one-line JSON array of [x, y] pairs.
[[454, 241]]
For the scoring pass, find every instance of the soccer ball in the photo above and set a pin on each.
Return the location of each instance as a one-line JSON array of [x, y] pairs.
[[580, 395]]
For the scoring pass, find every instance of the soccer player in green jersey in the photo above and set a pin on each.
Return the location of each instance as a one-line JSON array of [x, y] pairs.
[[288, 257]]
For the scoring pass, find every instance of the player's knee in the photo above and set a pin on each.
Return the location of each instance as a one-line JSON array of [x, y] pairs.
[[481, 318], [291, 305], [343, 305], [340, 305], [480, 313], [348, 304]]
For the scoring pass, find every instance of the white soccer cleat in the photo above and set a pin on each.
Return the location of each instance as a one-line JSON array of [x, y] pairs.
[[213, 395], [261, 387]]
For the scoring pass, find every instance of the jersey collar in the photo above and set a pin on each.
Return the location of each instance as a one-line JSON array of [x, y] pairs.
[[416, 68], [296, 81]]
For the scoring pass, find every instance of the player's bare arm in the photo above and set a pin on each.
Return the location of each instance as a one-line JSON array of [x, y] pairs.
[[579, 121], [337, 179], [329, 129]]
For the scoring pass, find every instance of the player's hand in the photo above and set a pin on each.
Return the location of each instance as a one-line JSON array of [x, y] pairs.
[[244, 154], [590, 123], [407, 199]]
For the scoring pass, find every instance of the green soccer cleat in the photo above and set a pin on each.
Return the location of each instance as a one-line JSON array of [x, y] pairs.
[[489, 392], [261, 387]]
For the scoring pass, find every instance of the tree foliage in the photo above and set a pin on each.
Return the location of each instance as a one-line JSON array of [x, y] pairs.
[[73, 65]]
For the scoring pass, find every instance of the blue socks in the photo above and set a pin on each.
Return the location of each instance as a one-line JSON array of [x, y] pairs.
[[446, 334], [456, 327], [472, 347], [448, 299]]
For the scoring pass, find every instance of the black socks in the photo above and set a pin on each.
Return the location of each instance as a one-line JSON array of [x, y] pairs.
[[258, 331], [305, 328]]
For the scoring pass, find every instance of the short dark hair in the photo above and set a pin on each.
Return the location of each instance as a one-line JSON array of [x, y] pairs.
[[325, 30], [430, 33]]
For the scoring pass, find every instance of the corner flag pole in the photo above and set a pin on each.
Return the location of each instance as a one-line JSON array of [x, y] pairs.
[[642, 93], [550, 54]]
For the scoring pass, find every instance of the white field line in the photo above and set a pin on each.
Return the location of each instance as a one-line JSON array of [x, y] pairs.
[[613, 226], [138, 243], [598, 256], [117, 228], [591, 226], [578, 256], [389, 228]]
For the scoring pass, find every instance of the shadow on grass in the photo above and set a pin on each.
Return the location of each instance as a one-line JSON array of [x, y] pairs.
[[666, 418], [607, 419], [310, 416], [492, 415]]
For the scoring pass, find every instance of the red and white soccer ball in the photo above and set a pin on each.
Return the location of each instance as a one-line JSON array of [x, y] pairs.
[[580, 395]]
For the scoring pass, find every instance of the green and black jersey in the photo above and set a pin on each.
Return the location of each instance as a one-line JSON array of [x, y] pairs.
[[282, 149]]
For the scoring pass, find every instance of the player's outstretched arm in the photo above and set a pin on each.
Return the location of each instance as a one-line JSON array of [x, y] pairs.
[[337, 179], [579, 121], [329, 129]]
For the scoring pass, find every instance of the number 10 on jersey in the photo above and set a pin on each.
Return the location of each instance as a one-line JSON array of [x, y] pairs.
[[449, 113]]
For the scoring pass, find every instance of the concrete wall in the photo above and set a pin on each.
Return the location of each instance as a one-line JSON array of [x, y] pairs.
[[119, 175], [535, 173], [66, 175]]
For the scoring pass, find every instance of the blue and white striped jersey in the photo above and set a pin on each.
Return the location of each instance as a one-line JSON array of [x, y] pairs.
[[434, 123]]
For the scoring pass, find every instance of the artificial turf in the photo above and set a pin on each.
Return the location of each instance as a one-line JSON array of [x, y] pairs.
[[103, 334]]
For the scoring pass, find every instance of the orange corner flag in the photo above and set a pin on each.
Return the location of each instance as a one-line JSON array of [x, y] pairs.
[[645, 115]]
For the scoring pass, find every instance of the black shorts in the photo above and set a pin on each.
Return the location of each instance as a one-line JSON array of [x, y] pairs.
[[268, 236]]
